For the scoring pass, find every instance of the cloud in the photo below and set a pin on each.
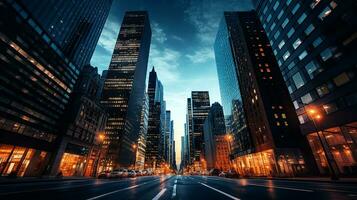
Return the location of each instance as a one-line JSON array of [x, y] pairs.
[[158, 33], [201, 55], [175, 37], [166, 62], [109, 35], [205, 16]]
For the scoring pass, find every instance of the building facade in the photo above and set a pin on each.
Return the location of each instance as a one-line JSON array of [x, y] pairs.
[[200, 108], [141, 144], [271, 120], [309, 48], [38, 78], [214, 126], [124, 88], [156, 125]]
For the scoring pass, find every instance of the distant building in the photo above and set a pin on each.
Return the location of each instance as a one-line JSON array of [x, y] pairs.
[[124, 89], [273, 127], [214, 126], [200, 108], [315, 46], [189, 133], [156, 125], [141, 144], [168, 130], [42, 54], [221, 153]]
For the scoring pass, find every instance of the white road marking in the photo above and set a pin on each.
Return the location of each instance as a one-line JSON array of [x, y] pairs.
[[217, 190], [174, 191], [115, 191], [278, 187], [157, 197]]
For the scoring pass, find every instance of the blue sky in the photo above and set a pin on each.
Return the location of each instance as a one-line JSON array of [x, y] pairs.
[[183, 33]]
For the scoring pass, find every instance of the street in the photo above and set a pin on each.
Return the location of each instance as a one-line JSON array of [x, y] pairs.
[[177, 187]]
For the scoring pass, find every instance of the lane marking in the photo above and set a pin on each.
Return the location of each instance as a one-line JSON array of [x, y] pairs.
[[123, 189], [217, 190], [174, 191], [157, 197], [278, 187]]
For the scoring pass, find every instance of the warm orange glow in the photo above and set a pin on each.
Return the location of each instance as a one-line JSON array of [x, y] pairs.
[[134, 146], [101, 137], [318, 116]]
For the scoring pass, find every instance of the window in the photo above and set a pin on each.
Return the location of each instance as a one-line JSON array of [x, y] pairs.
[[265, 9], [341, 79], [272, 26], [314, 3], [330, 108], [280, 14], [307, 98], [281, 44], [296, 8], [311, 69], [297, 43], [317, 42], [296, 105], [276, 35], [326, 54], [322, 90], [276, 5], [302, 18], [286, 55], [288, 2], [286, 21], [275, 52], [299, 82], [291, 65], [291, 32], [325, 13], [309, 29], [269, 18], [303, 55]]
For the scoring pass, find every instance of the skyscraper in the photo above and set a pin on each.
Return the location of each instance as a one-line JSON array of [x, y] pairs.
[[124, 88], [172, 152], [272, 123], [188, 132], [141, 144], [214, 125], [39, 74], [156, 126], [315, 45], [167, 135], [200, 109]]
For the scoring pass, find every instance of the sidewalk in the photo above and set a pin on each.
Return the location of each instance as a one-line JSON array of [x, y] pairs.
[[7, 180], [311, 179]]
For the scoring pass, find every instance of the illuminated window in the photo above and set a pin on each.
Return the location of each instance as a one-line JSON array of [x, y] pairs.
[[291, 32], [296, 8], [326, 54], [311, 69], [302, 18], [280, 14], [281, 44], [276, 5], [299, 82], [317, 42], [307, 98], [341, 79], [286, 55], [303, 55], [309, 29], [325, 13], [286, 21], [297, 43], [322, 90]]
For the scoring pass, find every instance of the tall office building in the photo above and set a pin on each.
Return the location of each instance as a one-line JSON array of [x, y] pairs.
[[172, 153], [124, 88], [200, 109], [38, 75], [214, 126], [315, 44], [167, 136], [271, 120], [188, 132], [141, 143], [183, 149], [156, 126]]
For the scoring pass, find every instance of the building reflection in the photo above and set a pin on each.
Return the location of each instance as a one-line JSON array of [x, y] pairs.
[[340, 143]]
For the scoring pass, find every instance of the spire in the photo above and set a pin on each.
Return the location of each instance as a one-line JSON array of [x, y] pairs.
[[153, 69]]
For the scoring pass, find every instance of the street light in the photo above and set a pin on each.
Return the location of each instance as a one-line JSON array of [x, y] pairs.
[[101, 138], [314, 116]]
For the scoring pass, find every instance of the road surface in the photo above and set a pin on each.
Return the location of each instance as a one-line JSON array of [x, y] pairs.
[[177, 187]]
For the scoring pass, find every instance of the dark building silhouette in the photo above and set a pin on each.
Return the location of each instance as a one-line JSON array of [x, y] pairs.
[[214, 125], [156, 126], [200, 108], [315, 46], [270, 117], [124, 88], [38, 76]]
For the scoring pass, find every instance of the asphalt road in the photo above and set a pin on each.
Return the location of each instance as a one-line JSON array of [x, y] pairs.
[[177, 187]]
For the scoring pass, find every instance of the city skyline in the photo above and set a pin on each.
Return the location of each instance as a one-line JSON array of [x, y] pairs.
[[179, 57]]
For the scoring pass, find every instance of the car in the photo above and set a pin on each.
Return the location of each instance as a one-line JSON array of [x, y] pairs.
[[145, 172], [214, 172], [104, 174], [222, 174], [115, 173], [131, 173], [139, 173], [124, 174], [232, 174]]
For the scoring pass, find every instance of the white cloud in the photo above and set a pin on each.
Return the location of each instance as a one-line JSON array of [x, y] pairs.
[[175, 37], [158, 33], [166, 62], [109, 35], [201, 55]]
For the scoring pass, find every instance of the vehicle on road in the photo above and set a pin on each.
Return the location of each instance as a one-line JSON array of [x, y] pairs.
[[214, 172], [232, 174], [104, 174], [222, 174], [131, 173]]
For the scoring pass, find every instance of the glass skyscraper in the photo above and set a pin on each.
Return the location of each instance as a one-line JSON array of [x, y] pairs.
[[124, 88], [271, 121], [38, 76], [314, 43]]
